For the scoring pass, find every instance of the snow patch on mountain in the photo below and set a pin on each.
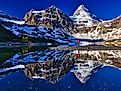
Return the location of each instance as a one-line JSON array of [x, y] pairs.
[[83, 16]]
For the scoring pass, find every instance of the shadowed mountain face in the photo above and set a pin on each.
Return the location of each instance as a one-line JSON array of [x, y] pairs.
[[51, 17], [52, 64], [50, 24]]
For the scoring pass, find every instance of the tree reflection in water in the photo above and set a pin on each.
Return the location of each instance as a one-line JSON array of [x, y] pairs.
[[53, 64]]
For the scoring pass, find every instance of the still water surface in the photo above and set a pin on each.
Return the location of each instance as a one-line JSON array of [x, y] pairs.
[[51, 69]]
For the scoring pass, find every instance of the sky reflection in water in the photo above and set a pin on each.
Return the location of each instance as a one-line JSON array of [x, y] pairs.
[[61, 70]]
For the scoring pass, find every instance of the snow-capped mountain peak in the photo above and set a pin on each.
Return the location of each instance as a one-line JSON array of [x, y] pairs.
[[1, 12], [51, 17], [82, 11], [37, 12], [51, 24], [83, 16], [82, 7], [53, 6]]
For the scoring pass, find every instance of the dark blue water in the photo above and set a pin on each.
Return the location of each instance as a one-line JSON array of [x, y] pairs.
[[106, 79], [65, 64]]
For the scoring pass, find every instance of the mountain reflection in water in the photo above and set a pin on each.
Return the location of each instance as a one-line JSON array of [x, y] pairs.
[[52, 64]]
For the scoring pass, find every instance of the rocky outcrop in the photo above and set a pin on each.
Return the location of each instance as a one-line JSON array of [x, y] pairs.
[[91, 27], [50, 18], [114, 23], [107, 30], [51, 24]]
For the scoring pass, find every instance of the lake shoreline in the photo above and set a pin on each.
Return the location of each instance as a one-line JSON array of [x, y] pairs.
[[18, 44], [88, 48]]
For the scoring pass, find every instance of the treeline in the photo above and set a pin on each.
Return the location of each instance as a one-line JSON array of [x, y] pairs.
[[8, 36]]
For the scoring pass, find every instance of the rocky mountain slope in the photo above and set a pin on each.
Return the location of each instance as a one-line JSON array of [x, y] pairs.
[[107, 30], [51, 18], [58, 28], [52, 23], [3, 15]]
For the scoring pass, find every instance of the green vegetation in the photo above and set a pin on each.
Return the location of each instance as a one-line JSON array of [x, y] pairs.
[[8, 36], [7, 53]]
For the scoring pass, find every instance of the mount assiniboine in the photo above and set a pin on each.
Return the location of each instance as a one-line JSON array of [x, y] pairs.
[[53, 24]]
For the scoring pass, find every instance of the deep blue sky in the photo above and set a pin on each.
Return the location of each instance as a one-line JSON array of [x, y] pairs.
[[105, 9]]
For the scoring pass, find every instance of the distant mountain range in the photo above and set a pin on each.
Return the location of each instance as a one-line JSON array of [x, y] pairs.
[[53, 24]]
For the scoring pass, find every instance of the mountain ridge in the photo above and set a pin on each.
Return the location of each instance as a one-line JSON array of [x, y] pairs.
[[56, 25]]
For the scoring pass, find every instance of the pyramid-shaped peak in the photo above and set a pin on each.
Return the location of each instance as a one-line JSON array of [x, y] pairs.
[[82, 7], [83, 14], [81, 10]]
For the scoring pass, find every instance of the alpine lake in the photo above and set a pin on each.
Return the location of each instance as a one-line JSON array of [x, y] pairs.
[[60, 68]]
